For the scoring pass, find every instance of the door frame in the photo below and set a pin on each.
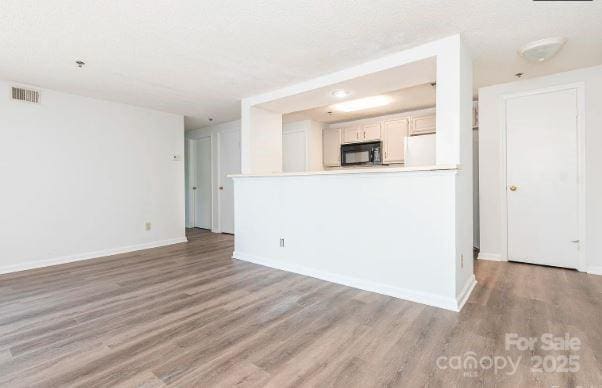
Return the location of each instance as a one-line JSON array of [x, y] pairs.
[[579, 87], [190, 142], [218, 173]]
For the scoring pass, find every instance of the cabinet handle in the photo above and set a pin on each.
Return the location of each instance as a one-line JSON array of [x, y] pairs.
[[364, 134]]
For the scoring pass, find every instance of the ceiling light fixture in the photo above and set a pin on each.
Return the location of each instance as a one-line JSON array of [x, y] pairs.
[[363, 103], [80, 63], [542, 50], [340, 93]]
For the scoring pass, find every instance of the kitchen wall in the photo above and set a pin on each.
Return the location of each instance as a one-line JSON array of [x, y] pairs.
[[81, 177], [491, 212]]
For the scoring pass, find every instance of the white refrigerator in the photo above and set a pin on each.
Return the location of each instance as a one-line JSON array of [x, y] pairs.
[[420, 150]]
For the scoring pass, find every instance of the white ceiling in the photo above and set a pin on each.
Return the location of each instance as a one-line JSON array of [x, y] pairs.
[[199, 58]]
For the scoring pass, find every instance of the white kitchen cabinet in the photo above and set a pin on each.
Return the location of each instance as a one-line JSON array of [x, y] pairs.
[[422, 125], [394, 132], [371, 132], [361, 134], [351, 135], [331, 145]]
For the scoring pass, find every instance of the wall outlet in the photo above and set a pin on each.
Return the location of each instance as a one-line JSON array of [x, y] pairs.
[[281, 243], [147, 225]]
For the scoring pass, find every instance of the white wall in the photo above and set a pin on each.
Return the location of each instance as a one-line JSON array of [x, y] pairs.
[[261, 140], [387, 232], [80, 177], [491, 169], [213, 132]]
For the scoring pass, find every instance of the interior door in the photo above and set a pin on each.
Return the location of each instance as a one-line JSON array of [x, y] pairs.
[[542, 172], [229, 163], [202, 183], [294, 151]]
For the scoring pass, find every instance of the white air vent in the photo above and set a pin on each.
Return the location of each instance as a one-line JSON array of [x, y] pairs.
[[26, 95]]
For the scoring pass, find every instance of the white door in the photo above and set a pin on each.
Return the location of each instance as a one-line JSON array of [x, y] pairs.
[[229, 163], [542, 171], [201, 189], [331, 145], [395, 132], [294, 149]]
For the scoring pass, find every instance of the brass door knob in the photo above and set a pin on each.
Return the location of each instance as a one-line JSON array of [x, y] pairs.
[[513, 188]]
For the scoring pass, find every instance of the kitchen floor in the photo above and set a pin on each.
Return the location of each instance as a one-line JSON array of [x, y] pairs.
[[189, 315]]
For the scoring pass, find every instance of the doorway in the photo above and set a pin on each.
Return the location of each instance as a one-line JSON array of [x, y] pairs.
[[542, 170], [199, 183]]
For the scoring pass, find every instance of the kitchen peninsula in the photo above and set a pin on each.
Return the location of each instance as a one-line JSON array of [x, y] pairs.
[[403, 231]]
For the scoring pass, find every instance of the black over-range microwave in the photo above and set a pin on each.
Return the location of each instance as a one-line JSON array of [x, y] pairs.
[[361, 154]]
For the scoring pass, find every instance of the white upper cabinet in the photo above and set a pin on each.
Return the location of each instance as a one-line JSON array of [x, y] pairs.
[[394, 132], [363, 133], [371, 132], [422, 125], [331, 145], [351, 135]]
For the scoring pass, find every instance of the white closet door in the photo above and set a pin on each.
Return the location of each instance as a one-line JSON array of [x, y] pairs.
[[202, 187], [229, 163], [542, 170]]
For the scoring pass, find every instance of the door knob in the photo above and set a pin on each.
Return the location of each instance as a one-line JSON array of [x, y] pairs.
[[221, 187], [513, 188], [194, 188]]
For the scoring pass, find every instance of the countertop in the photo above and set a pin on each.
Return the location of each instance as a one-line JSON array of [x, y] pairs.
[[353, 170]]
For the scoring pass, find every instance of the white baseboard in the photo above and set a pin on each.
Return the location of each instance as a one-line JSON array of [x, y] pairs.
[[595, 270], [366, 285], [491, 257], [466, 291], [89, 255]]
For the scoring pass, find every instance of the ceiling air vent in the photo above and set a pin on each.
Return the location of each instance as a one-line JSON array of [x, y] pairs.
[[26, 95]]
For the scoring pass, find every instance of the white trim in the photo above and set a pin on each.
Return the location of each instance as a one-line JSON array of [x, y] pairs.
[[597, 270], [366, 285], [491, 257], [90, 255], [462, 298], [580, 89]]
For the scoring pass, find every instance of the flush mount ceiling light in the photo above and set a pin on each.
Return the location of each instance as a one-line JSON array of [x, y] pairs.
[[542, 50], [363, 103], [340, 93]]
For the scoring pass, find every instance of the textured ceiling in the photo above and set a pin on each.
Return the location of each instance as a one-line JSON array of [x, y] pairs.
[[199, 58]]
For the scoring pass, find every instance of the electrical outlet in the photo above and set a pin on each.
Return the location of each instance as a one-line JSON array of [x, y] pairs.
[[147, 225], [281, 243], [461, 261]]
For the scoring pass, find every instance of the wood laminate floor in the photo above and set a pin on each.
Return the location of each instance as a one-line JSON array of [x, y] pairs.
[[189, 315]]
